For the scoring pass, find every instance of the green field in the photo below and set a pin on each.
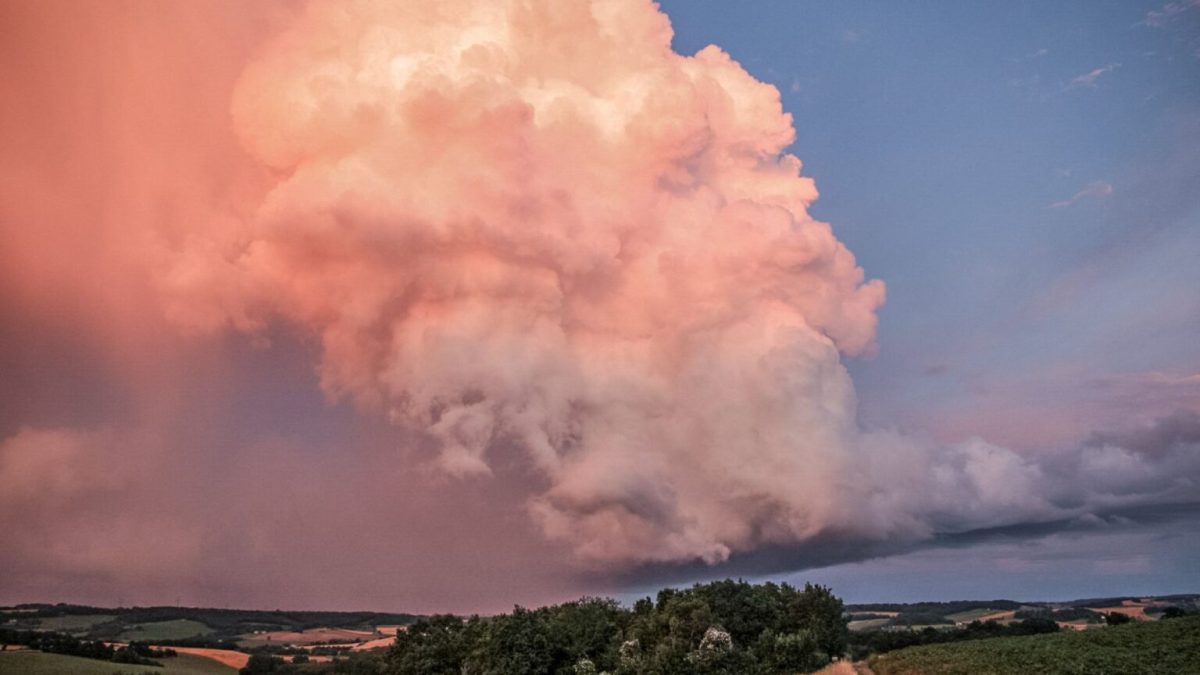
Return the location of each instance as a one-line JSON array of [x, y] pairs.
[[166, 630], [74, 622], [1171, 646], [971, 614], [38, 663], [868, 624]]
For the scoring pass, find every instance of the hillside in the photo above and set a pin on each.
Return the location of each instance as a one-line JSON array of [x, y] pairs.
[[199, 625], [39, 663], [1171, 646], [1075, 614]]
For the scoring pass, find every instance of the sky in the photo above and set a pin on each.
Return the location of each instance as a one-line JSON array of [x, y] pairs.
[[373, 306]]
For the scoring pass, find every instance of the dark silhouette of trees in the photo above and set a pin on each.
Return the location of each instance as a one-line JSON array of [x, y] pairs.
[[262, 663], [722, 627], [880, 641], [1117, 618], [436, 645]]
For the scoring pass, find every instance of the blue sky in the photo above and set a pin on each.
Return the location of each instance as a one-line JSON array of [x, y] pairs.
[[941, 137], [1024, 177]]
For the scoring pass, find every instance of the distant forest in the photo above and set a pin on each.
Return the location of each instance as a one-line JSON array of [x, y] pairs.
[[223, 621]]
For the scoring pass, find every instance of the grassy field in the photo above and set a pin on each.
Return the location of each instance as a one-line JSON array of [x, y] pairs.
[[868, 624], [74, 622], [166, 630], [1171, 646], [971, 615], [307, 637], [38, 663]]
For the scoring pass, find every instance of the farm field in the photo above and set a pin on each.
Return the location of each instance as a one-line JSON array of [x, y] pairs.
[[1135, 649], [1001, 616], [40, 663], [973, 615], [225, 657], [165, 630], [307, 637], [867, 624], [378, 643], [74, 622], [1131, 609]]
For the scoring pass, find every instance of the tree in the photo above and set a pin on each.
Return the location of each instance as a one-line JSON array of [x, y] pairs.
[[436, 645], [587, 630], [261, 663], [1117, 618], [819, 611], [515, 644]]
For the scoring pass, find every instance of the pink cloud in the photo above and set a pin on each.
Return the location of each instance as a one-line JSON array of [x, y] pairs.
[[594, 248], [1095, 190], [1089, 78]]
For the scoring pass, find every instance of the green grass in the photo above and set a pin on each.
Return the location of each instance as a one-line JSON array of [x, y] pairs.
[[38, 663], [74, 623], [1171, 646], [166, 630], [971, 614], [867, 624], [190, 664]]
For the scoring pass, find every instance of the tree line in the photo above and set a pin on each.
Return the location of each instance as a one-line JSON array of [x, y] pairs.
[[720, 627], [53, 642]]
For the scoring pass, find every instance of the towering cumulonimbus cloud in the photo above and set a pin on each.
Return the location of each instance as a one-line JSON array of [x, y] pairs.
[[532, 225]]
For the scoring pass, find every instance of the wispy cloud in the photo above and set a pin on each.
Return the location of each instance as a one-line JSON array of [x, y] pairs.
[[1096, 190], [1089, 79], [1031, 56], [851, 37], [1158, 18]]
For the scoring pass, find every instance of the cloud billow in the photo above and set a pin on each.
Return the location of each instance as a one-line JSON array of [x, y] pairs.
[[534, 224]]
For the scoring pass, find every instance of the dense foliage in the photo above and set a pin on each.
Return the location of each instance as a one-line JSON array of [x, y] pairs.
[[205, 641], [721, 627], [1176, 612], [1066, 614], [864, 643], [941, 609], [224, 623], [357, 663], [1146, 648], [63, 643]]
